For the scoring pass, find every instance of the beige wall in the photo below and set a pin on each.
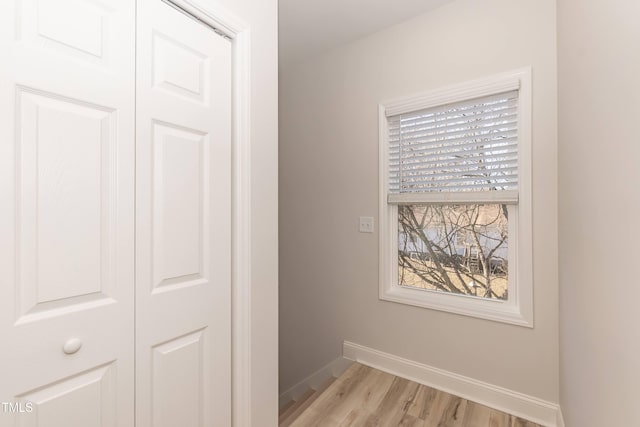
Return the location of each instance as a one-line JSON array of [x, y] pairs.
[[599, 189], [329, 177], [261, 17]]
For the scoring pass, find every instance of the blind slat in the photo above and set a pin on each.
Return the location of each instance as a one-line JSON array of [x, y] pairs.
[[496, 186], [444, 135], [435, 121], [488, 173], [444, 181], [463, 147], [498, 165]]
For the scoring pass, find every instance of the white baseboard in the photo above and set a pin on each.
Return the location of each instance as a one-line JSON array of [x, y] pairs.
[[530, 408], [315, 380], [560, 422]]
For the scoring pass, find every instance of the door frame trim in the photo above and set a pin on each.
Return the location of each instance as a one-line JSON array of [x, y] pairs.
[[238, 32]]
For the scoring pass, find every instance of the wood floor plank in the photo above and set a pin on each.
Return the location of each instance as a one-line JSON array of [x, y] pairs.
[[445, 410], [423, 402], [410, 421], [454, 412], [367, 397], [374, 389], [284, 416], [476, 415], [351, 419], [519, 422], [395, 403], [499, 419], [359, 418], [337, 401], [436, 410], [306, 403]]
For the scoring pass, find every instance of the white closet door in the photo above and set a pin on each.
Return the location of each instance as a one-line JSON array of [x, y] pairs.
[[67, 212], [183, 205]]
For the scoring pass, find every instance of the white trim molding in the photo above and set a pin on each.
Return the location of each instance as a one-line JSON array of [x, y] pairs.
[[518, 308], [527, 407], [228, 25], [560, 420], [504, 82], [314, 381]]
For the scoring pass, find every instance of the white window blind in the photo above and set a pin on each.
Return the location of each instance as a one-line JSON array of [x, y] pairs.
[[463, 151]]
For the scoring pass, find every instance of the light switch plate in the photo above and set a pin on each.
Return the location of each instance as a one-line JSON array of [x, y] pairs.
[[366, 224]]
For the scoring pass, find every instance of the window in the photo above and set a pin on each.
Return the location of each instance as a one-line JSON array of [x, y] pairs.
[[455, 205]]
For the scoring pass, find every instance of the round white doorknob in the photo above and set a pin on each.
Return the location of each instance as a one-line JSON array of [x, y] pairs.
[[72, 345]]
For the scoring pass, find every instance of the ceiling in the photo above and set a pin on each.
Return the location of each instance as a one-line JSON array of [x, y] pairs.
[[308, 27]]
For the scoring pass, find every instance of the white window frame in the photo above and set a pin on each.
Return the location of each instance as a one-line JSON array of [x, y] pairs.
[[518, 309]]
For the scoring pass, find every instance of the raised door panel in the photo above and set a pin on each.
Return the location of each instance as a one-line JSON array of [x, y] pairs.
[[180, 70], [65, 188], [180, 186], [91, 394], [184, 355], [77, 28]]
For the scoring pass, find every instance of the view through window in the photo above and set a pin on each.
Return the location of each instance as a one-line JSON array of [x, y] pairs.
[[461, 249]]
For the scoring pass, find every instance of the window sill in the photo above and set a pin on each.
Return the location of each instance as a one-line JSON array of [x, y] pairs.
[[495, 310]]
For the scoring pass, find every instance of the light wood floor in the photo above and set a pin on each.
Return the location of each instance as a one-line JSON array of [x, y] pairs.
[[366, 397]]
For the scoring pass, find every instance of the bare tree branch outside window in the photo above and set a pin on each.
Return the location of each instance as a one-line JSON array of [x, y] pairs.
[[461, 249]]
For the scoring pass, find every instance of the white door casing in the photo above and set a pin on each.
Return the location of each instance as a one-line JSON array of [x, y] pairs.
[[67, 211], [183, 221]]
